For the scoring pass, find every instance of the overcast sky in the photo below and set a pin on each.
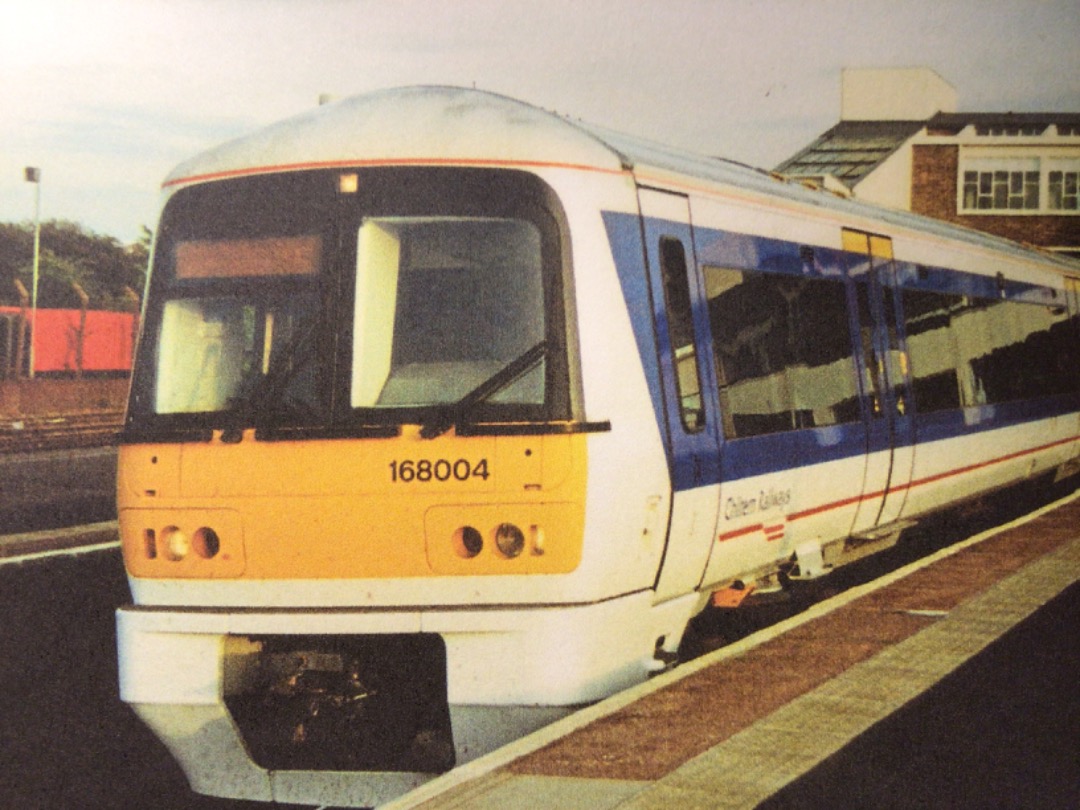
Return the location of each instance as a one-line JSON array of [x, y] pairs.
[[106, 96]]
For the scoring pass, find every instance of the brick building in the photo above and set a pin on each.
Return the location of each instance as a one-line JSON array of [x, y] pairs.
[[901, 143]]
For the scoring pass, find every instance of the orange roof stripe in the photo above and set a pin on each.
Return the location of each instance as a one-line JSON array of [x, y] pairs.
[[367, 163]]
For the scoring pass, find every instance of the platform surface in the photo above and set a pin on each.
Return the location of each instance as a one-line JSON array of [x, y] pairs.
[[953, 682]]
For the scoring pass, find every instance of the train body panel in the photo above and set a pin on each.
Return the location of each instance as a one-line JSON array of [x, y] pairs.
[[949, 470], [451, 398], [288, 492]]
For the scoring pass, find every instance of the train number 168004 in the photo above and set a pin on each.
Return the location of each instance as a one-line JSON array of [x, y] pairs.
[[440, 469]]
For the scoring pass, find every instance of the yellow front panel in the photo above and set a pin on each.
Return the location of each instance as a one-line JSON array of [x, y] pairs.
[[363, 508], [175, 543], [550, 532]]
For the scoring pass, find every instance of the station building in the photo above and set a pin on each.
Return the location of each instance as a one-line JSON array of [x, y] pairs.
[[901, 143]]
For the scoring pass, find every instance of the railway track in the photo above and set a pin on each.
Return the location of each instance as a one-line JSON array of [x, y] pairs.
[[24, 434]]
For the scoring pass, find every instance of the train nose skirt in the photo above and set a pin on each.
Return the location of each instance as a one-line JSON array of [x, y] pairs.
[[342, 703]]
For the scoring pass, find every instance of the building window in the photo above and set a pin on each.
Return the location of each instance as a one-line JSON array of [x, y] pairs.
[[1010, 129], [1001, 190], [1063, 191], [1048, 184]]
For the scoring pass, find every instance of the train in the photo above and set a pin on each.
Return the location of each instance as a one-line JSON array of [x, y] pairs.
[[450, 413], [69, 342]]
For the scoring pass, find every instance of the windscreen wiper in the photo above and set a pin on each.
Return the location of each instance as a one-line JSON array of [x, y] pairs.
[[263, 404], [457, 412]]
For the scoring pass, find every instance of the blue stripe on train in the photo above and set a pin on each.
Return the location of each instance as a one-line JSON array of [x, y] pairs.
[[759, 455], [624, 235]]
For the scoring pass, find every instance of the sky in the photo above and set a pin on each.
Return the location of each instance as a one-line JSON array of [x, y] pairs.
[[107, 96]]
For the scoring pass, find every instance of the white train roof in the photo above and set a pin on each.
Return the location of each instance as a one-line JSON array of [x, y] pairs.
[[412, 124], [452, 125]]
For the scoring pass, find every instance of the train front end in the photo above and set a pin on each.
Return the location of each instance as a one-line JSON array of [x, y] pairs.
[[353, 477]]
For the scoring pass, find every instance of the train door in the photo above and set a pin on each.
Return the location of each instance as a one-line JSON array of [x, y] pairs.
[[692, 438], [884, 367]]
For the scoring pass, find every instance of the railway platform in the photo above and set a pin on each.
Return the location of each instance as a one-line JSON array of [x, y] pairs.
[[49, 541], [910, 691]]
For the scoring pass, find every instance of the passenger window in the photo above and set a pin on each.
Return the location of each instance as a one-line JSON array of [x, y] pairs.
[[677, 305], [982, 351], [932, 349], [783, 351], [978, 326], [897, 361], [1015, 351], [873, 367]]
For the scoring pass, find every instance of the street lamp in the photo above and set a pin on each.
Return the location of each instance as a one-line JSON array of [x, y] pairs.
[[33, 175]]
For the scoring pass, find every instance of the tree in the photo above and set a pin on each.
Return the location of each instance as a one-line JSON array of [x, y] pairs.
[[101, 265]]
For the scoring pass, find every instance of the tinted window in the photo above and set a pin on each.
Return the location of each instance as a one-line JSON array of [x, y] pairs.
[[968, 351], [1018, 351], [680, 324], [932, 349], [783, 349]]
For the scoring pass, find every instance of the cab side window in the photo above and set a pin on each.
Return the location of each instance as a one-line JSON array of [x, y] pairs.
[[680, 326]]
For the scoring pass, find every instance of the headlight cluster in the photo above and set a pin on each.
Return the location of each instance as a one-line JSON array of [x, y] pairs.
[[507, 539], [174, 544]]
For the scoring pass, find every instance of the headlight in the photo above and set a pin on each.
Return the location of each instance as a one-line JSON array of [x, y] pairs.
[[509, 539], [468, 542], [206, 543], [174, 543]]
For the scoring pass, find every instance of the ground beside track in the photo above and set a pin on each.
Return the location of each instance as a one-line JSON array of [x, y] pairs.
[[51, 489], [67, 742]]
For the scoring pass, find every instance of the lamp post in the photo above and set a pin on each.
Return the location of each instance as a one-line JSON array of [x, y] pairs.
[[33, 175]]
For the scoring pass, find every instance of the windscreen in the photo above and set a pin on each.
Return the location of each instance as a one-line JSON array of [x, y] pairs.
[[236, 308], [329, 298], [442, 304], [236, 352]]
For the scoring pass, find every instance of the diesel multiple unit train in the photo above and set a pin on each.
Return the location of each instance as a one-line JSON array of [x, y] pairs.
[[450, 413]]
